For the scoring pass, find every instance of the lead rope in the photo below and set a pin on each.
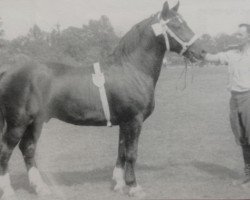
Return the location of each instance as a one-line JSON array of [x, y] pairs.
[[185, 72]]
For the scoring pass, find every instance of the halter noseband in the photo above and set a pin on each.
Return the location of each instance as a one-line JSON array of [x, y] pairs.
[[162, 28]]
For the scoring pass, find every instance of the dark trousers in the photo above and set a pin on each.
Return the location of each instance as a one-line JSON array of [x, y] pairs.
[[240, 117], [240, 124]]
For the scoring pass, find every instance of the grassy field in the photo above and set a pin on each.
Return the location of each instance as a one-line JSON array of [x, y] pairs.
[[186, 149]]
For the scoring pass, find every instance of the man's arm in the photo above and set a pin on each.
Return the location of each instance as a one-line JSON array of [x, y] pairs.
[[222, 58]]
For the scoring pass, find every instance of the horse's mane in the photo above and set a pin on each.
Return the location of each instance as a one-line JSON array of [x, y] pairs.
[[130, 41]]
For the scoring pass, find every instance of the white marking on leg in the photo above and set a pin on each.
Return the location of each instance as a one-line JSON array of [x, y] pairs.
[[37, 183], [6, 187], [118, 177]]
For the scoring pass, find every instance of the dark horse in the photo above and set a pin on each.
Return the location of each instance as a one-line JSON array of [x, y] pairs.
[[32, 93]]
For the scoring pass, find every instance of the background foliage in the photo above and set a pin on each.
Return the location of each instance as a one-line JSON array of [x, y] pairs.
[[83, 46]]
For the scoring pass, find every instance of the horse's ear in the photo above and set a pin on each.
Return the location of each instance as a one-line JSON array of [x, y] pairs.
[[165, 10], [176, 7]]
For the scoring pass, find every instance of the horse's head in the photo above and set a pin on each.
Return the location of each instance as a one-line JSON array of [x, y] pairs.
[[178, 36]]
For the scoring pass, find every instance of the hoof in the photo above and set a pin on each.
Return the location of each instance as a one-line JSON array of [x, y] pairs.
[[244, 182], [137, 192], [118, 177], [9, 195], [42, 190], [119, 187], [8, 192], [36, 182]]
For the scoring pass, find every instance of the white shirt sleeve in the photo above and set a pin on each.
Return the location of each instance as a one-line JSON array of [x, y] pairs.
[[222, 57]]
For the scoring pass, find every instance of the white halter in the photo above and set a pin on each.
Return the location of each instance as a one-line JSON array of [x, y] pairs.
[[162, 28]]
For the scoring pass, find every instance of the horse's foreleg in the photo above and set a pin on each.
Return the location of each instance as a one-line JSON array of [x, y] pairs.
[[132, 133], [118, 173], [27, 146], [9, 141]]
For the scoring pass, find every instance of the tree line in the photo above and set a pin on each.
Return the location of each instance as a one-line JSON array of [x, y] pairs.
[[85, 45], [77, 46]]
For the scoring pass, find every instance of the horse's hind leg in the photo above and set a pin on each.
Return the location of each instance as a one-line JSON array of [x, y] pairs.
[[9, 141], [27, 146], [118, 173]]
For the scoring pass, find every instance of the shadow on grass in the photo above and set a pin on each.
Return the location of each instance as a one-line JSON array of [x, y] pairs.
[[70, 178], [216, 170], [95, 175]]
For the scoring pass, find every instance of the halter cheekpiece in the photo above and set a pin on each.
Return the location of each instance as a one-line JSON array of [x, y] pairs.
[[162, 28]]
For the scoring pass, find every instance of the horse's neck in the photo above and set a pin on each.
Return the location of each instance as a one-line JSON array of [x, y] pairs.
[[147, 56], [147, 60]]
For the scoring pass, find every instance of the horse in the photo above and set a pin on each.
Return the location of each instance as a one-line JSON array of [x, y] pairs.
[[33, 92]]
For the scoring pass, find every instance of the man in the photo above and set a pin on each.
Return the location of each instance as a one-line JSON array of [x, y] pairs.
[[238, 61]]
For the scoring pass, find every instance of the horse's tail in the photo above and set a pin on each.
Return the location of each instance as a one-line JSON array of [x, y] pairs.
[[3, 124], [2, 74]]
